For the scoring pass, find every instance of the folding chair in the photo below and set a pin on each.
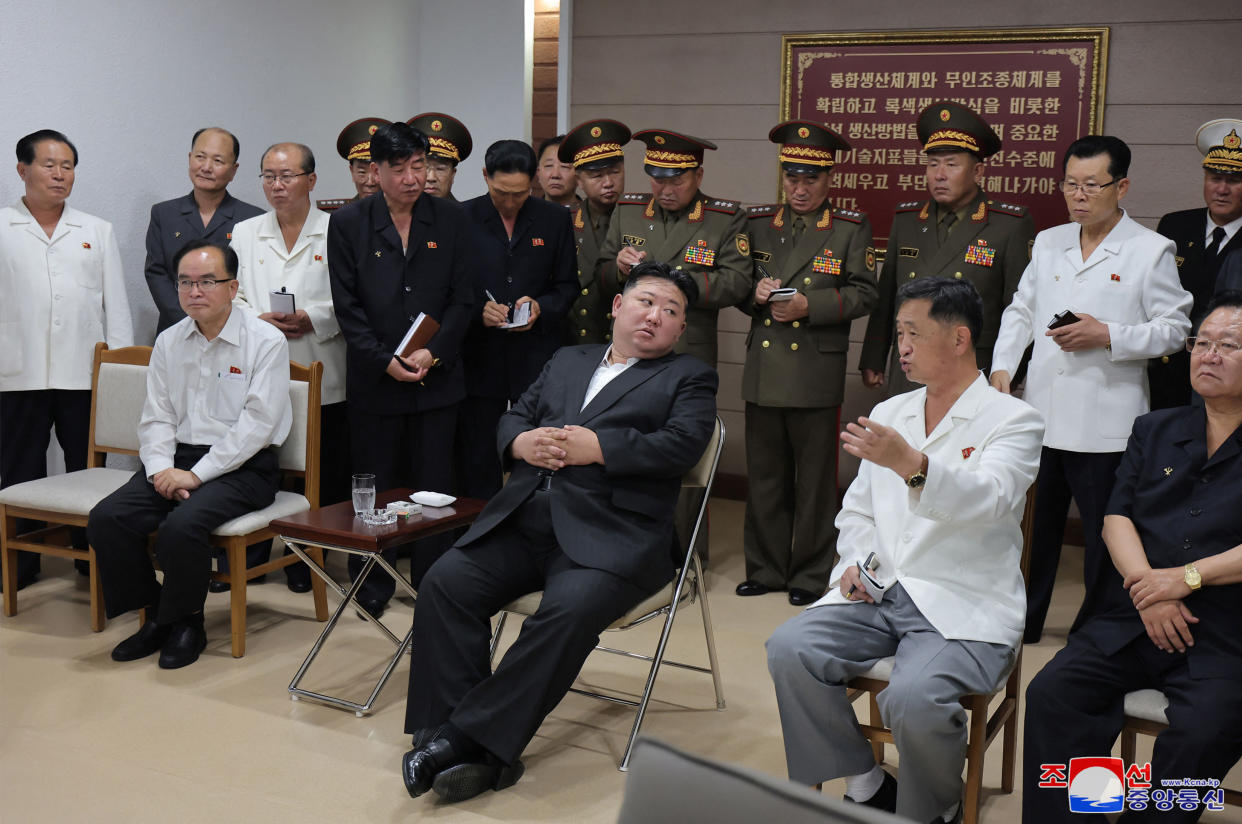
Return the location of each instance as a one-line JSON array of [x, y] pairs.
[[686, 585], [118, 390], [983, 728]]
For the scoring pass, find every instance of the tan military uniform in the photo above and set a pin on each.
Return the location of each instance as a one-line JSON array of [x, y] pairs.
[[707, 240], [990, 246], [590, 319], [793, 385]]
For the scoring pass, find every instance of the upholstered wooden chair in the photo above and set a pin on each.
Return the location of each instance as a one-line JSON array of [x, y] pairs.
[[983, 727], [118, 390], [685, 586]]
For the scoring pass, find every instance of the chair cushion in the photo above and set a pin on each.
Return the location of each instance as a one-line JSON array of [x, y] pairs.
[[528, 603], [286, 504], [882, 670], [1148, 705], [73, 493]]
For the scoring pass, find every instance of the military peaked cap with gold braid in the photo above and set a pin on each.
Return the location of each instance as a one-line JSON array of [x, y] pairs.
[[806, 147], [1221, 146], [670, 153], [449, 138], [594, 144], [354, 141], [946, 126]]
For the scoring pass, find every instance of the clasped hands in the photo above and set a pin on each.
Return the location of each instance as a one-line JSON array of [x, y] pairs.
[[1157, 595], [294, 324], [411, 369], [175, 483], [551, 447]]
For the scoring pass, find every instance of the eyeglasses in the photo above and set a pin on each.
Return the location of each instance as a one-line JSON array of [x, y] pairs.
[[1202, 346], [206, 284], [1088, 189], [287, 178]]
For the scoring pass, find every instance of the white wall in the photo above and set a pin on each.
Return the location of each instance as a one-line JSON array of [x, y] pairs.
[[130, 81]]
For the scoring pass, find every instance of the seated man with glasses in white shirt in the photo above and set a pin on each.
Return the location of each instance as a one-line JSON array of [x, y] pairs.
[[217, 400]]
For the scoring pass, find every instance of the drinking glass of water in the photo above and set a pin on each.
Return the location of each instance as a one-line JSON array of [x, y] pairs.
[[364, 493]]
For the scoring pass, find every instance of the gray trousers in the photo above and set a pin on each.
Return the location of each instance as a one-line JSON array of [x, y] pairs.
[[813, 655]]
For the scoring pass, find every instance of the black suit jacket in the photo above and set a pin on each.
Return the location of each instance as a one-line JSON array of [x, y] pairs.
[[653, 422], [538, 261], [1185, 508], [174, 223], [1170, 376], [1230, 274], [378, 291]]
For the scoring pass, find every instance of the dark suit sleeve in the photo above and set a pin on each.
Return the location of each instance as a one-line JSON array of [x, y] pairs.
[[159, 281], [673, 449], [879, 335], [1121, 500], [562, 283], [460, 308], [343, 273]]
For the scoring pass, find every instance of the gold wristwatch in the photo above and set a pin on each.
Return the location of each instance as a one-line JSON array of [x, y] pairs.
[[1192, 578], [919, 478]]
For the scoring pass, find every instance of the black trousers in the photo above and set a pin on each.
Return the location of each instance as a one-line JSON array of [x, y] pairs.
[[1088, 478], [451, 678], [119, 525], [1074, 709], [479, 471], [26, 423], [414, 450]]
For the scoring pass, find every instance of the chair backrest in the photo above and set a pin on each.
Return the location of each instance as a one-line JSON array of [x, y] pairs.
[[704, 471], [299, 454], [1028, 528], [118, 392]]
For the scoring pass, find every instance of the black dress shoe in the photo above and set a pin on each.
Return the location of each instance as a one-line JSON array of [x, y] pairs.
[[749, 587], [372, 606], [224, 586], [298, 578], [184, 643], [147, 640], [885, 798], [801, 597], [420, 766], [468, 780]]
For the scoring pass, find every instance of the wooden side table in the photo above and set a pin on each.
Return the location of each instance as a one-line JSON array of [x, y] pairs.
[[336, 527]]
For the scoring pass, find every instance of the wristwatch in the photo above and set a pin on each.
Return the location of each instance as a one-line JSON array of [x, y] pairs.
[[919, 478], [1192, 578]]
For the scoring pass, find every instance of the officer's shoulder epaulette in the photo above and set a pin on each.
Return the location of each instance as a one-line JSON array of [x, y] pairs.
[[636, 198], [728, 207], [766, 210], [1007, 208], [849, 214], [910, 206]]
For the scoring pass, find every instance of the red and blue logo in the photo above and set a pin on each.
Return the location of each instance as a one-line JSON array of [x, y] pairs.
[[1096, 785]]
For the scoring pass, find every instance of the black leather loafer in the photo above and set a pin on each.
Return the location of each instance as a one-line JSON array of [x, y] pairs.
[[372, 606], [465, 781], [183, 646], [749, 587], [298, 578], [146, 641], [420, 766], [802, 597]]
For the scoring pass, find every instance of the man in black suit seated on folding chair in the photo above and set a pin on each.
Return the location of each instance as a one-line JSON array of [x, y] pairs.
[[597, 447], [217, 401]]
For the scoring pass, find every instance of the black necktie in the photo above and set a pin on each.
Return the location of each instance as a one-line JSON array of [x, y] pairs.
[[1218, 237]]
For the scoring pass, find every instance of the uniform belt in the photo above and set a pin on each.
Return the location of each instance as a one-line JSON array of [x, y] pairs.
[[545, 481]]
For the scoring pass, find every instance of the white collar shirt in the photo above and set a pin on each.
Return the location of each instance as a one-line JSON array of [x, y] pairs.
[[1231, 229], [603, 375], [230, 393]]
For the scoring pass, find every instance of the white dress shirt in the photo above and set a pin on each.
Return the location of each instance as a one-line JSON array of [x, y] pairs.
[[1090, 398], [956, 544], [603, 375], [265, 265], [230, 393], [58, 297], [1231, 229]]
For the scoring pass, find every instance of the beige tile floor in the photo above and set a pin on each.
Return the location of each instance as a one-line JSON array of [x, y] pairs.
[[85, 739]]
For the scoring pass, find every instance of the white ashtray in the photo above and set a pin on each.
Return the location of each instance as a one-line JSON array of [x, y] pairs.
[[432, 498], [405, 509], [378, 517]]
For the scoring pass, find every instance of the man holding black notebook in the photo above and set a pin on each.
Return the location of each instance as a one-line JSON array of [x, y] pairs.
[[391, 257]]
